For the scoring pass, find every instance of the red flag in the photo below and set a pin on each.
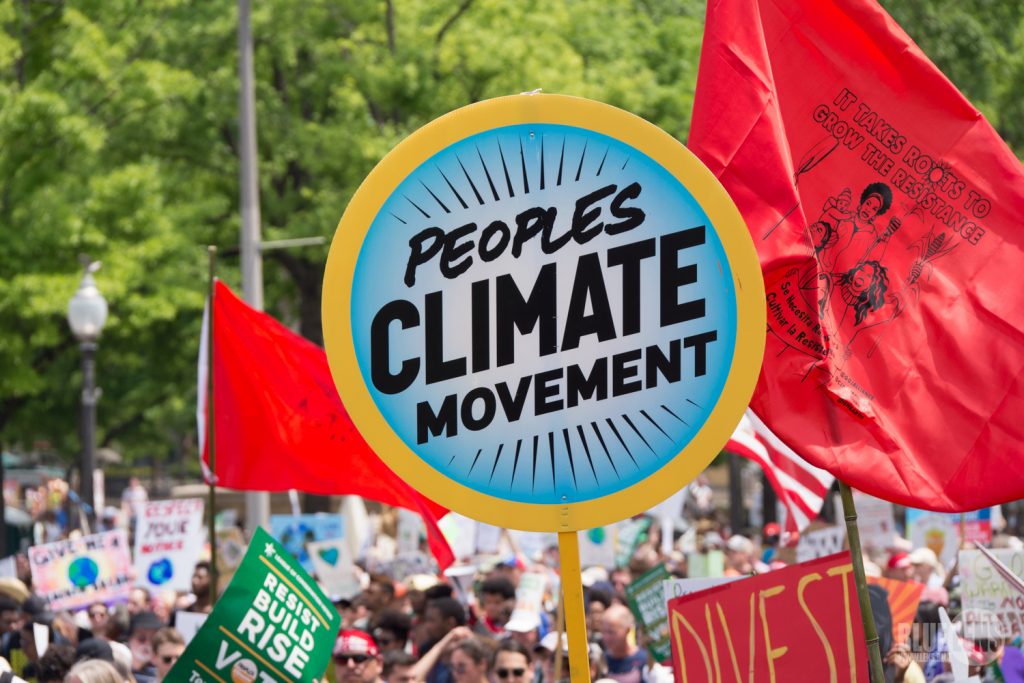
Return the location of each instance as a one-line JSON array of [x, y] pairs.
[[886, 212], [279, 423], [800, 486]]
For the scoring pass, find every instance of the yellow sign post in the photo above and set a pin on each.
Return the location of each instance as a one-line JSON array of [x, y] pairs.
[[545, 313]]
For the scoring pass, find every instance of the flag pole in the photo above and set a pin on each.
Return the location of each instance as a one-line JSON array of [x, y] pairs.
[[859, 578], [211, 517], [575, 618]]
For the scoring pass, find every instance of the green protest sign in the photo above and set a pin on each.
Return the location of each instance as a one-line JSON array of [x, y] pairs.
[[272, 624], [647, 600]]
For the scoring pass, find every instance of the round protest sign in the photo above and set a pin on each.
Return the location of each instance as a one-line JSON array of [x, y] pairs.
[[543, 312]]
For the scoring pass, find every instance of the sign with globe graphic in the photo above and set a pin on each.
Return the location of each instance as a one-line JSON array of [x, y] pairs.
[[83, 572], [74, 574]]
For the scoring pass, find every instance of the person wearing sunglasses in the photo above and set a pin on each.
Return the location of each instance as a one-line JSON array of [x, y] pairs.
[[356, 658], [469, 661], [167, 645], [512, 663]]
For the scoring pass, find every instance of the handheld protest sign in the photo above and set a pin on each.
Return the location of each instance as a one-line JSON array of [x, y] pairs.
[[543, 312]]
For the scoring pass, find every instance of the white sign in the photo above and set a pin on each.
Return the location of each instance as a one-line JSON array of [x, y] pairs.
[[597, 547], [820, 542], [460, 532], [188, 623], [168, 539], [410, 526], [533, 545], [875, 521], [488, 539], [529, 596], [989, 602], [677, 587], [332, 562]]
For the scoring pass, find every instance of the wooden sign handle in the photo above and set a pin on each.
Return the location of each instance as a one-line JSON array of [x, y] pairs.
[[575, 617]]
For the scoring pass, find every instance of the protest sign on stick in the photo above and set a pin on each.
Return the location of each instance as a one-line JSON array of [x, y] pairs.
[[646, 595], [168, 539], [991, 604], [800, 623], [73, 574], [628, 394], [271, 624]]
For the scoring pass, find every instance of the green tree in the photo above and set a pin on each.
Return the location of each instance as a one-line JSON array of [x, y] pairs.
[[118, 139]]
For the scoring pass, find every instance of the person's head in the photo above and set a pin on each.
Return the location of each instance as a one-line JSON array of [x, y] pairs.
[[390, 628], [138, 600], [512, 663], [497, 598], [599, 598], [866, 284], [621, 578], [469, 662], [94, 648], [823, 235], [98, 617], [167, 648], [93, 671], [379, 593], [201, 580], [134, 482], [544, 653], [356, 658], [55, 663], [925, 563], [899, 567], [141, 629], [398, 667], [874, 201], [10, 613], [616, 623], [441, 616]]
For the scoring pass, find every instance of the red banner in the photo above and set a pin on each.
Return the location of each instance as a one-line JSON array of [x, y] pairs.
[[801, 623], [886, 213]]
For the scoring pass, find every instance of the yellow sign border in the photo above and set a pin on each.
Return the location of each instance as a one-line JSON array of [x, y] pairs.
[[600, 118]]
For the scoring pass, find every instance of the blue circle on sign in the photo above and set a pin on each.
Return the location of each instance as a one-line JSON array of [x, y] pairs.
[[83, 572], [160, 571], [546, 314]]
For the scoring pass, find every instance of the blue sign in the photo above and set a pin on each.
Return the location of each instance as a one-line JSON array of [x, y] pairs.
[[545, 250], [295, 531]]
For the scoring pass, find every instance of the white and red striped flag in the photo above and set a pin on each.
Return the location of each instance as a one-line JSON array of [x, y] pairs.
[[800, 486]]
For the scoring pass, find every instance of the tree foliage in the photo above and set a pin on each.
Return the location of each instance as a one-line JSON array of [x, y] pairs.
[[118, 139]]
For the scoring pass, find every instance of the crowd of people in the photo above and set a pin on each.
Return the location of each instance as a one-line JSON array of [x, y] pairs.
[[133, 641], [434, 628]]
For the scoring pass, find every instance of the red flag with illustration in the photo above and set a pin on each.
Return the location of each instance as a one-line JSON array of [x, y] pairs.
[[886, 213], [279, 423]]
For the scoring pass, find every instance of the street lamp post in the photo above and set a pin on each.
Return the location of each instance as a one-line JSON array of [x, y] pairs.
[[87, 311]]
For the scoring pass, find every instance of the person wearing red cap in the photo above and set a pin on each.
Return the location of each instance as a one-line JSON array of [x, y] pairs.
[[356, 658], [899, 567]]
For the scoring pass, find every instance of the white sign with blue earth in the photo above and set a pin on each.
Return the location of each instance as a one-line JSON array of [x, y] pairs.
[[169, 535]]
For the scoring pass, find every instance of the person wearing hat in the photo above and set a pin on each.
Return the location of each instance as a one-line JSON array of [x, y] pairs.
[[356, 658], [899, 567], [141, 629], [926, 567]]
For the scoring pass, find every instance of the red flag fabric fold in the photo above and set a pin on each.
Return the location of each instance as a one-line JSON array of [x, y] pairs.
[[886, 212], [279, 423]]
